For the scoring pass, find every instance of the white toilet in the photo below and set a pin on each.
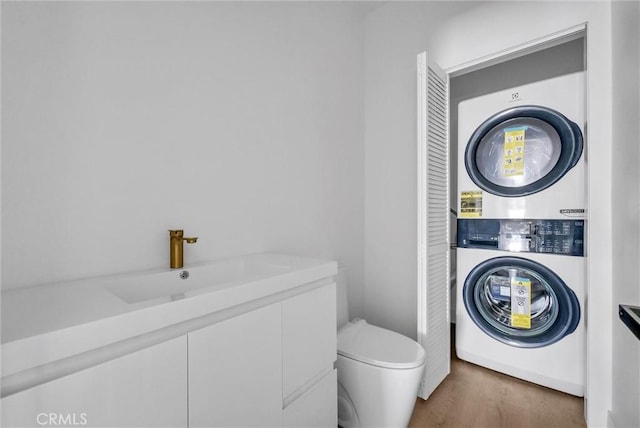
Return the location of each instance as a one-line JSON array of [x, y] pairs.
[[379, 371]]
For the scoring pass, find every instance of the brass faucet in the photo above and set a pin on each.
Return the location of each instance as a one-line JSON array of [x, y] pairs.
[[176, 247]]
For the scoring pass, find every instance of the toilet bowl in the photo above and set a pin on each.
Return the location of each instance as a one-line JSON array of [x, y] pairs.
[[379, 371]]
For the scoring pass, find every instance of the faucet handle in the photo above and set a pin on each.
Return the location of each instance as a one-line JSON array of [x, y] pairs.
[[191, 240]]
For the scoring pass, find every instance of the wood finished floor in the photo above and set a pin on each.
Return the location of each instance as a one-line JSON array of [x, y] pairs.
[[475, 397]]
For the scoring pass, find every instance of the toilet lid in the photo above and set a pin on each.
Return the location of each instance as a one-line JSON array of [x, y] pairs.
[[378, 346]]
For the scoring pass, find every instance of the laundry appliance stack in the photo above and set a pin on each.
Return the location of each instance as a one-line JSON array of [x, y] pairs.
[[520, 237]]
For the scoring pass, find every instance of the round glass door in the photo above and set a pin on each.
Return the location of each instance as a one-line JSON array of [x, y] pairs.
[[522, 150], [520, 302]]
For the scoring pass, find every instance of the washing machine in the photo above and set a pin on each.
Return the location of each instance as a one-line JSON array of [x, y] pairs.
[[520, 297], [521, 152]]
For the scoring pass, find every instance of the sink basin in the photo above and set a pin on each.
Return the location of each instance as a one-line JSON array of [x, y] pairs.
[[179, 283]]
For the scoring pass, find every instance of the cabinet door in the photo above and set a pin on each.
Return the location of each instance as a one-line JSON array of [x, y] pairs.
[[308, 337], [235, 371], [144, 389]]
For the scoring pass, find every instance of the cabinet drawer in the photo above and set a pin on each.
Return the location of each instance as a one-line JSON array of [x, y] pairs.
[[308, 336], [317, 407]]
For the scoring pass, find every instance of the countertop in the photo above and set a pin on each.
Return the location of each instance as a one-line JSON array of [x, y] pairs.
[[50, 322]]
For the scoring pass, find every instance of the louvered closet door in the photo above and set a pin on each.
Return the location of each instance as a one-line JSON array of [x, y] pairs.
[[433, 223]]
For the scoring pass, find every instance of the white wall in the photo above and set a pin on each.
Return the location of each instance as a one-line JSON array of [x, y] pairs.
[[625, 411], [394, 34], [241, 123]]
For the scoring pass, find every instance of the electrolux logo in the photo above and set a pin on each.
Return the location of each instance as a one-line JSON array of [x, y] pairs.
[[515, 97], [62, 419]]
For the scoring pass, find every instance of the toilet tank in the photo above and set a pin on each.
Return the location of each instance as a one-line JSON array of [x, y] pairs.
[[341, 297]]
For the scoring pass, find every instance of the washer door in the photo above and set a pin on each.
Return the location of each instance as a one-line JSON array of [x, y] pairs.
[[522, 150], [553, 313]]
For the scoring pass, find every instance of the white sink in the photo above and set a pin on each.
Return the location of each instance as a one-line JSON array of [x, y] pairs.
[[179, 283]]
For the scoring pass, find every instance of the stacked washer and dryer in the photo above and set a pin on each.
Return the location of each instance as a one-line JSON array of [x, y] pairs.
[[520, 238]]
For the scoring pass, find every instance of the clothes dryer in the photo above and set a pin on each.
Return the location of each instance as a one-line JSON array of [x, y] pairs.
[[521, 151]]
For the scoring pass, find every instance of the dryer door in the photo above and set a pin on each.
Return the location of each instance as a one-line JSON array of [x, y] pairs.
[[520, 302], [522, 150]]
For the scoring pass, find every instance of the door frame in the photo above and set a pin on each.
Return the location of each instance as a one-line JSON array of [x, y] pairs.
[[520, 50]]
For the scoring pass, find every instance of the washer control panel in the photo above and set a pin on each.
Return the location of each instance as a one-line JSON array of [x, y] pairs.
[[565, 237]]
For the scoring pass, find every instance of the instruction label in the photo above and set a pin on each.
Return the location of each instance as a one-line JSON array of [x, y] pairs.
[[500, 288], [471, 204], [513, 160], [520, 302]]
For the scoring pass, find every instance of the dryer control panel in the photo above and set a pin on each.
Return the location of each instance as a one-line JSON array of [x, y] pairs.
[[565, 237]]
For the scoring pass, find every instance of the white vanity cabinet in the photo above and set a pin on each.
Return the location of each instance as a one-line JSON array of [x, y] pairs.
[[308, 356], [143, 389], [259, 352], [235, 371]]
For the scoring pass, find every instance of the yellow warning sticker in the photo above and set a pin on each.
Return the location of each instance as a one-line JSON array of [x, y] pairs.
[[470, 204], [520, 302], [513, 160]]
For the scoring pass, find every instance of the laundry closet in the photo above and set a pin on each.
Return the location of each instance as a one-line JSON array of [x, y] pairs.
[[517, 226]]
